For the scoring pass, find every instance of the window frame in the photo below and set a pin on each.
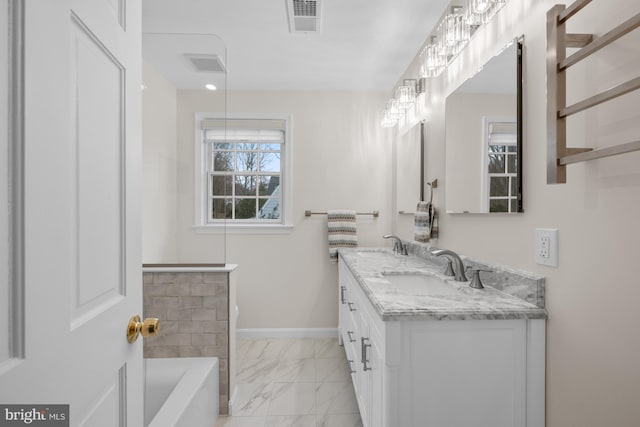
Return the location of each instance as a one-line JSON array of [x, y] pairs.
[[201, 187], [486, 175]]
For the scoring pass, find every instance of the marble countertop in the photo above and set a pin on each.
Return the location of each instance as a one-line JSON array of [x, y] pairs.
[[369, 266]]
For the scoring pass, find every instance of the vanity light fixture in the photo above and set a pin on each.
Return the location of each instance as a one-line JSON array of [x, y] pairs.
[[452, 35], [478, 12], [480, 6], [210, 86], [392, 113], [387, 122], [453, 32], [431, 63], [406, 94]]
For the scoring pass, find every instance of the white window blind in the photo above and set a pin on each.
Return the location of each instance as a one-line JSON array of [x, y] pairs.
[[238, 135], [502, 133]]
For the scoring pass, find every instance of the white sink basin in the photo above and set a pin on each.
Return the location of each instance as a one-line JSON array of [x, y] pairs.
[[420, 284]]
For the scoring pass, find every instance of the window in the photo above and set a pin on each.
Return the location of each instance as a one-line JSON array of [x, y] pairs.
[[243, 176], [501, 186]]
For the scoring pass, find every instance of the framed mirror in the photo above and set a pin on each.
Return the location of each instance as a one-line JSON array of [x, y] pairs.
[[483, 131]]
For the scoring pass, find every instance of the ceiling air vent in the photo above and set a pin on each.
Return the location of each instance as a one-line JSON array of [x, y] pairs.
[[304, 16], [205, 63]]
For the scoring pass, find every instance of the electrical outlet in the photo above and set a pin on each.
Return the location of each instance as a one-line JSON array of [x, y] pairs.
[[543, 252], [546, 246]]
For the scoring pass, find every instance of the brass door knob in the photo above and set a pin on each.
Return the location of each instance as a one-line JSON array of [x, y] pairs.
[[148, 328]]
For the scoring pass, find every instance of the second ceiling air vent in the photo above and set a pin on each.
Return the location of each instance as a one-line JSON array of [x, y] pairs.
[[304, 16], [205, 63]]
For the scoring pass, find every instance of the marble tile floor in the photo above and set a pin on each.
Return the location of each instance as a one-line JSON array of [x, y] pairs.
[[292, 382]]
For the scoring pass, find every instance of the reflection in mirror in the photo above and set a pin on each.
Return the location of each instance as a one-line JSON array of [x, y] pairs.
[[408, 166], [484, 138], [183, 74]]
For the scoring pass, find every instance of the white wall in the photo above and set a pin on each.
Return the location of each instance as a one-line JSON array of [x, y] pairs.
[[593, 344], [341, 160], [160, 166]]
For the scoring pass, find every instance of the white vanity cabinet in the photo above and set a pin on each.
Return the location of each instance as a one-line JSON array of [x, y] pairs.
[[363, 341], [415, 371]]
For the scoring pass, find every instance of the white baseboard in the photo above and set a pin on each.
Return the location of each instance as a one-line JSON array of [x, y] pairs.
[[287, 333]]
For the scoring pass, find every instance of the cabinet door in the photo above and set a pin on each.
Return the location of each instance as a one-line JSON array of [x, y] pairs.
[[376, 364], [342, 303], [464, 373], [363, 374]]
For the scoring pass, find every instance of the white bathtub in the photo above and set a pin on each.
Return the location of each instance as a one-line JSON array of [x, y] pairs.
[[181, 392]]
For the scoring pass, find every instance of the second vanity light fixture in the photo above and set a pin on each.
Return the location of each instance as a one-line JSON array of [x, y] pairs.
[[452, 34]]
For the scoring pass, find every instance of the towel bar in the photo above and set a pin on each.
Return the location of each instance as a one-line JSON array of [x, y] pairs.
[[558, 154], [375, 214]]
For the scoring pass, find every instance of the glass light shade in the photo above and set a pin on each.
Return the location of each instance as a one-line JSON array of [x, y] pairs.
[[388, 122], [431, 62], [406, 94], [481, 6], [453, 33], [392, 113], [394, 110], [479, 12]]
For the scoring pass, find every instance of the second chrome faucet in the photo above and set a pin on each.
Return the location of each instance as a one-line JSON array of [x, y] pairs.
[[398, 246], [459, 266]]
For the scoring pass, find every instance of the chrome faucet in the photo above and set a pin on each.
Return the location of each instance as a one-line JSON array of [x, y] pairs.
[[398, 246], [459, 270]]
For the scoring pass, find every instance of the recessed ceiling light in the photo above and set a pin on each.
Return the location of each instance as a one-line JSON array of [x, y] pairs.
[[210, 86]]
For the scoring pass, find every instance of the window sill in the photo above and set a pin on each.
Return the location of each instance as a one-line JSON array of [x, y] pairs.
[[231, 228]]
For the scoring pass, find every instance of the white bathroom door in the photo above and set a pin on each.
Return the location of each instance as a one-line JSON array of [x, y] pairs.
[[82, 236]]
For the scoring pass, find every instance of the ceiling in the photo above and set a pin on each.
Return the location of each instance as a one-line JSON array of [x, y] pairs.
[[361, 45], [497, 76]]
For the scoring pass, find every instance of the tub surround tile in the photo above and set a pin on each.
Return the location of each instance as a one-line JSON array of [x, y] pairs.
[[184, 351], [151, 352], [193, 308], [368, 266]]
